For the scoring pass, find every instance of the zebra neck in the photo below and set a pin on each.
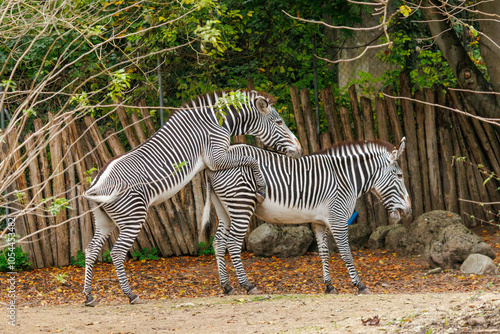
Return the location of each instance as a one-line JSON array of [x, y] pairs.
[[235, 121], [364, 176]]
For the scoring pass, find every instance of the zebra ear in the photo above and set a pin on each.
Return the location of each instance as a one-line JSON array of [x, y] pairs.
[[396, 153], [262, 105]]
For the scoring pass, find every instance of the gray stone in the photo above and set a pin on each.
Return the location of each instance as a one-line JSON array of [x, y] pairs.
[[377, 238], [452, 245], [423, 229], [479, 264], [280, 241], [396, 237]]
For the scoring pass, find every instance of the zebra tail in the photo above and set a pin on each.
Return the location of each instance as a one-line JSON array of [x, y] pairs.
[[205, 218]]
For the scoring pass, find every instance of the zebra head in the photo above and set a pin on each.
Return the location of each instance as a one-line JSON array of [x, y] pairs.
[[390, 186], [271, 129]]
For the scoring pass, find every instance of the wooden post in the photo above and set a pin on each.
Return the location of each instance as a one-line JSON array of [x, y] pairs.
[[36, 185], [85, 220], [346, 123], [411, 145], [355, 111], [446, 145], [432, 151], [59, 190], [146, 118], [299, 120], [422, 151], [381, 112], [74, 226], [122, 114], [332, 116], [309, 121]]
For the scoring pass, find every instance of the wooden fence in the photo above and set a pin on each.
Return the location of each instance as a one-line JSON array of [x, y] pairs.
[[434, 136]]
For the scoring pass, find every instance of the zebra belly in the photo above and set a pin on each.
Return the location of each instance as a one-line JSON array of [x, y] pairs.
[[274, 212], [162, 197]]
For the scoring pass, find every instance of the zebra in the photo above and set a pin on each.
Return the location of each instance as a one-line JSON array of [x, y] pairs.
[[321, 188], [192, 139]]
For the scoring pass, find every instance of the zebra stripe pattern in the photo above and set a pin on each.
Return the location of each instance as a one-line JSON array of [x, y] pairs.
[[191, 140], [321, 189]]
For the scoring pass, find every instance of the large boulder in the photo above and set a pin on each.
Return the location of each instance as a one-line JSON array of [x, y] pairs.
[[423, 229], [479, 264], [280, 241], [452, 245]]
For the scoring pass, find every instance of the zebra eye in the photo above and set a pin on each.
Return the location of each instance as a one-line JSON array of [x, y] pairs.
[[279, 121], [399, 175]]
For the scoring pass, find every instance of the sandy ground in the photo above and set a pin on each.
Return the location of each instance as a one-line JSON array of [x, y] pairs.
[[401, 313]]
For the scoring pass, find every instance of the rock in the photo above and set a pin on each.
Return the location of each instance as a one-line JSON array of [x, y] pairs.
[[434, 271], [377, 238], [479, 264], [424, 228], [452, 245], [395, 237], [280, 241]]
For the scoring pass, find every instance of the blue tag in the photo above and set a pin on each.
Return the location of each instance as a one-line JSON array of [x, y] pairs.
[[353, 218]]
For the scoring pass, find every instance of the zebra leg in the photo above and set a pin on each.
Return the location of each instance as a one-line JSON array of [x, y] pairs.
[[342, 240], [321, 238], [219, 244], [234, 244], [104, 225], [230, 161], [130, 225]]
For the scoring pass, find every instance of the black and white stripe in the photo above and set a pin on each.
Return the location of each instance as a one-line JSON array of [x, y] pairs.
[[321, 189], [149, 174]]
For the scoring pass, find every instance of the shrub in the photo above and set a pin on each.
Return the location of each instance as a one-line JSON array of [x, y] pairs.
[[206, 249], [145, 254], [79, 261], [21, 260]]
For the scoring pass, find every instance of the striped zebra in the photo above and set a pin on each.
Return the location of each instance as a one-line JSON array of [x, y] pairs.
[[321, 188], [191, 140]]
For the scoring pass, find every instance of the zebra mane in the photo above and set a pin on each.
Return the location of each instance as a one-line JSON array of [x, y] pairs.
[[358, 146], [195, 100]]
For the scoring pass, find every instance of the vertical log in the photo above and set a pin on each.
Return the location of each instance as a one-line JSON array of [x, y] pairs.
[[358, 122], [74, 227], [465, 208], [122, 114], [299, 120], [36, 185], [309, 120], [381, 112], [325, 141], [346, 123], [146, 118], [59, 191], [411, 145], [432, 151], [366, 106], [422, 152], [446, 146], [332, 116], [47, 189], [138, 128]]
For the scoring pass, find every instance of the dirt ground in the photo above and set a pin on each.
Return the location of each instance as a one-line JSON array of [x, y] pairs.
[[477, 312]]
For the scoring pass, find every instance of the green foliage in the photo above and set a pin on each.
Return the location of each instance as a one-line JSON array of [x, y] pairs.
[[206, 249], [20, 263], [106, 256], [179, 166], [236, 99], [119, 82], [57, 204], [145, 254], [60, 278], [89, 174], [79, 261]]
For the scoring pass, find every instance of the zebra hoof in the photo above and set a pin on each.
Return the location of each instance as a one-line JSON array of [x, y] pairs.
[[364, 291], [253, 291], [135, 300], [228, 290], [330, 289], [90, 301]]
